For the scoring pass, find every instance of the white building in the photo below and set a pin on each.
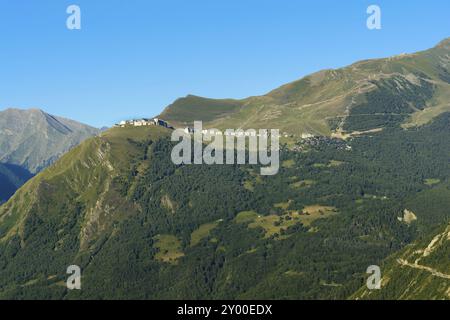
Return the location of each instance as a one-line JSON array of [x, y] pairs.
[[142, 122], [307, 135]]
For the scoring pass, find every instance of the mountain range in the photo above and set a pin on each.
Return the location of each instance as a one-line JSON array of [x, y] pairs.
[[372, 187], [31, 140]]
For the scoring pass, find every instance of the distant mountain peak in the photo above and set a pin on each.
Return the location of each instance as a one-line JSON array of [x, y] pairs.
[[33, 139], [24, 110]]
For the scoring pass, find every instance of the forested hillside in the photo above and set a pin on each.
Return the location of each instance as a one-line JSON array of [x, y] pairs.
[[420, 271], [141, 227]]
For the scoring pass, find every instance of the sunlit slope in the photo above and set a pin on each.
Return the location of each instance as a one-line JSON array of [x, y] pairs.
[[420, 271], [64, 213], [409, 89], [81, 177]]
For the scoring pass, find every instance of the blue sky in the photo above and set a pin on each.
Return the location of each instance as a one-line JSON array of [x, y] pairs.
[[132, 58]]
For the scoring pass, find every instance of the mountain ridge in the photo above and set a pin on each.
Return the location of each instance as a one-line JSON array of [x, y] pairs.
[[322, 102]]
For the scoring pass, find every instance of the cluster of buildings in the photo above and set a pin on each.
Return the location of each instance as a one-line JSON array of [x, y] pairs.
[[144, 122], [237, 133], [242, 133], [189, 130], [314, 141]]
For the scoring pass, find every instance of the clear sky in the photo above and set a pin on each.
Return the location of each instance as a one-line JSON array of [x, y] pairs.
[[132, 58]]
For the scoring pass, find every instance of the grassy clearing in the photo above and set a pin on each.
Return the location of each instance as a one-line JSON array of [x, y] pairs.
[[169, 248], [249, 186], [246, 216], [167, 203], [292, 273], [302, 184], [273, 225], [283, 205], [331, 164], [202, 232], [432, 182], [253, 181], [438, 105], [288, 163], [335, 163], [315, 212]]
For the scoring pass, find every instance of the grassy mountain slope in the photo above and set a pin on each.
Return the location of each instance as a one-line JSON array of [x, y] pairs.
[[420, 271], [350, 99], [141, 227], [184, 110]]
